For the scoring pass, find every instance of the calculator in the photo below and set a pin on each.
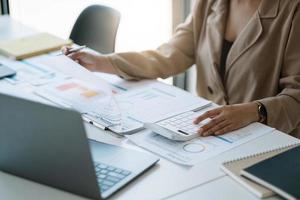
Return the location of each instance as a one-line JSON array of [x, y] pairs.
[[179, 127]]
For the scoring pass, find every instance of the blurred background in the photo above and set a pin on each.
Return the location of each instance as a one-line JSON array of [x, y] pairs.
[[145, 24]]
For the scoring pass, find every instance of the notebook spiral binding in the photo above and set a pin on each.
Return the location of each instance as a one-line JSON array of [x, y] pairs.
[[287, 147]]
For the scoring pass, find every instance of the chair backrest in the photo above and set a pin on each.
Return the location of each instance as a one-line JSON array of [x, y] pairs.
[[97, 27]]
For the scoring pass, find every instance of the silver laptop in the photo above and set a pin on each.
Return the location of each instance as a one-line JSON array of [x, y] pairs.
[[49, 145]]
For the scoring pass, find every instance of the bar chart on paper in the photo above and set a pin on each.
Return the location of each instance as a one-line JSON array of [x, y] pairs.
[[75, 94]]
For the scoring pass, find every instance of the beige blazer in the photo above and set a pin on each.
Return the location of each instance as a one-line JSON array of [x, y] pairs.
[[263, 63]]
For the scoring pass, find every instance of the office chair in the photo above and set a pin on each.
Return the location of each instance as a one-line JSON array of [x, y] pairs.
[[97, 27]]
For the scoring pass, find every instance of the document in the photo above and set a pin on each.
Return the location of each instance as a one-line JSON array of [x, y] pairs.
[[72, 69], [96, 105], [76, 94], [123, 84], [199, 149], [146, 104], [30, 73], [158, 101]]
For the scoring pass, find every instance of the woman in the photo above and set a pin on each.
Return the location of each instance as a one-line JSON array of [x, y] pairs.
[[247, 54]]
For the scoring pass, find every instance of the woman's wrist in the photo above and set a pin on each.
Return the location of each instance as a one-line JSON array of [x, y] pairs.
[[253, 112], [104, 65], [262, 112]]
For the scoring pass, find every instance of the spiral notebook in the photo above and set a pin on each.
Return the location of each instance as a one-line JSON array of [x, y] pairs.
[[234, 167]]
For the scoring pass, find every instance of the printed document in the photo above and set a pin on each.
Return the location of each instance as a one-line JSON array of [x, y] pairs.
[[158, 101], [123, 84], [96, 105], [30, 73], [75, 94], [131, 109], [199, 149], [70, 68]]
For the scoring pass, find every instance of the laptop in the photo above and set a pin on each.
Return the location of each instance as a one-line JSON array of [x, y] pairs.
[[49, 145]]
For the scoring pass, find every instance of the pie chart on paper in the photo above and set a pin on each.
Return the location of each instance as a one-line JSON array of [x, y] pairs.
[[193, 148]]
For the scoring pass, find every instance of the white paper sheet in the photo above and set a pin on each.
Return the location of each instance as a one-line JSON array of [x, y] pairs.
[[158, 101], [30, 73], [74, 93], [123, 84], [72, 69], [95, 105], [200, 149]]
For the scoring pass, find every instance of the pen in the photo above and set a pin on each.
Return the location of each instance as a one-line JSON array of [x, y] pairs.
[[73, 50]]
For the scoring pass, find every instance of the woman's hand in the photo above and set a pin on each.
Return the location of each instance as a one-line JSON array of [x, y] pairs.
[[228, 118], [91, 61]]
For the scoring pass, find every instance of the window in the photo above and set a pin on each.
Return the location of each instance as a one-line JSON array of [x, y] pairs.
[[145, 24]]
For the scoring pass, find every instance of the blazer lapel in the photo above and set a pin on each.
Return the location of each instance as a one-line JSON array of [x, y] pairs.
[[252, 32], [216, 22], [245, 40]]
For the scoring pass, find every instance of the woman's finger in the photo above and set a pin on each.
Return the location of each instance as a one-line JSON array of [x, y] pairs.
[[213, 122], [208, 114], [76, 55], [65, 49], [219, 127], [224, 130]]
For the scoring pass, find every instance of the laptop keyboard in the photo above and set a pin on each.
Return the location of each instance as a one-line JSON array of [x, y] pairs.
[[108, 176]]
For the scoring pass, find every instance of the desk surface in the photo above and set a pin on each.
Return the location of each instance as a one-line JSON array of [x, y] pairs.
[[165, 181]]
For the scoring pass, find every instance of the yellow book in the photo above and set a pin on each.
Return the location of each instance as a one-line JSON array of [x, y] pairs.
[[31, 46]]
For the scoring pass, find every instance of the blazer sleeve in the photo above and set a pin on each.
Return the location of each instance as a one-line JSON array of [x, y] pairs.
[[169, 59], [284, 109]]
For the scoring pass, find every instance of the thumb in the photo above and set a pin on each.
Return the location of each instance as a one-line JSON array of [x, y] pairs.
[[65, 49], [76, 55]]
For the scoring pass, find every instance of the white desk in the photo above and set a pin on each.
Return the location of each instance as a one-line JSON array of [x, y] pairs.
[[165, 180]]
